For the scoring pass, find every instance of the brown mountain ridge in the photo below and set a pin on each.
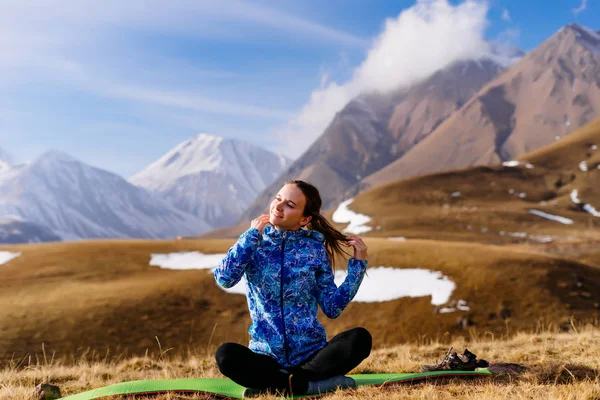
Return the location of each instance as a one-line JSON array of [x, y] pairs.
[[472, 113], [374, 130], [550, 92]]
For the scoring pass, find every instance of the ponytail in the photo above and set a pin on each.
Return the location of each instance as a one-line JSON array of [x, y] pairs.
[[333, 237]]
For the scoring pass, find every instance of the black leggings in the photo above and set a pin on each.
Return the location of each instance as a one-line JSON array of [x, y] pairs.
[[339, 356]]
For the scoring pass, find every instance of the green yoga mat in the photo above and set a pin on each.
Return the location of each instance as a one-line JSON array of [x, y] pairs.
[[230, 390]]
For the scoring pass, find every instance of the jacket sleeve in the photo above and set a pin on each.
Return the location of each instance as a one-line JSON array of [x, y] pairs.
[[332, 299], [232, 267]]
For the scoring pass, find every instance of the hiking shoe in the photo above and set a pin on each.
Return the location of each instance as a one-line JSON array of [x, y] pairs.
[[330, 384], [457, 362]]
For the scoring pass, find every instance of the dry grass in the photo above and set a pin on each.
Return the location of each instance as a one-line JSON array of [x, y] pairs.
[[561, 366]]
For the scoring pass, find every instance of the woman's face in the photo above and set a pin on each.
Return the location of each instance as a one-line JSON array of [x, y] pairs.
[[287, 208]]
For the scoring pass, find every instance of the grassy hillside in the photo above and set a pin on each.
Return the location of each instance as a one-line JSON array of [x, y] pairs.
[[102, 297], [560, 366], [493, 204]]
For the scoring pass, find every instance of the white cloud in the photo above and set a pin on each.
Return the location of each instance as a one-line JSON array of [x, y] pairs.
[[84, 45], [582, 7], [505, 15], [190, 17], [421, 40], [185, 100]]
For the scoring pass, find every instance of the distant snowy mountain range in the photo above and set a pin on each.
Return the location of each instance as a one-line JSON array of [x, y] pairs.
[[204, 182], [76, 201]]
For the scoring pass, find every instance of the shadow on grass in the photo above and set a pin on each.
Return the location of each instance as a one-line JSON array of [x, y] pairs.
[[558, 374]]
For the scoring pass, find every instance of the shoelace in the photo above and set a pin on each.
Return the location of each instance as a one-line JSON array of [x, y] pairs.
[[446, 357], [290, 383]]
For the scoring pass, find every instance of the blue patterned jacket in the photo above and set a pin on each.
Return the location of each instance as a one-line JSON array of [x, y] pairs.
[[283, 301]]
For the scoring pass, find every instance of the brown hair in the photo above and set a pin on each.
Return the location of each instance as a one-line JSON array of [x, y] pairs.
[[319, 223]]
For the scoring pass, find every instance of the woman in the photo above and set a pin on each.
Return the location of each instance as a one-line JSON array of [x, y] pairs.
[[288, 269]]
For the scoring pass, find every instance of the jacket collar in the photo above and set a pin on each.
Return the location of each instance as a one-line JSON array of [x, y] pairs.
[[274, 234]]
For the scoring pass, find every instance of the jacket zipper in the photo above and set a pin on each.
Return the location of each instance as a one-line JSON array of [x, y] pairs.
[[281, 293]]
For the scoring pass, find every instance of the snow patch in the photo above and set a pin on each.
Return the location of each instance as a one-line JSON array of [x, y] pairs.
[[6, 256], [186, 260], [542, 238], [594, 147], [387, 283], [575, 197], [590, 209], [516, 164], [461, 305], [195, 260], [518, 234], [456, 194], [583, 166], [551, 217], [356, 222], [537, 238]]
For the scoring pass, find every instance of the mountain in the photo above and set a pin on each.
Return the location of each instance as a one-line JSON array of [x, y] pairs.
[[374, 130], [15, 230], [548, 195], [212, 177], [76, 201], [550, 92]]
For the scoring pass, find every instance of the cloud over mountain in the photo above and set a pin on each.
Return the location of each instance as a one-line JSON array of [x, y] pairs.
[[423, 39]]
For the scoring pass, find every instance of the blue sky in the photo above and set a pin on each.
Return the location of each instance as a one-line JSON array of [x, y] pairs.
[[117, 84]]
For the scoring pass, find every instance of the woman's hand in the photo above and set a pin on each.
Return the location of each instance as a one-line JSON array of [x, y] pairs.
[[360, 248], [260, 223]]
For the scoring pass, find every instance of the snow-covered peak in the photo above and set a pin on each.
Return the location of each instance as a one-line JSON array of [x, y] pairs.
[[199, 153], [212, 177], [187, 154], [209, 153], [54, 157]]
